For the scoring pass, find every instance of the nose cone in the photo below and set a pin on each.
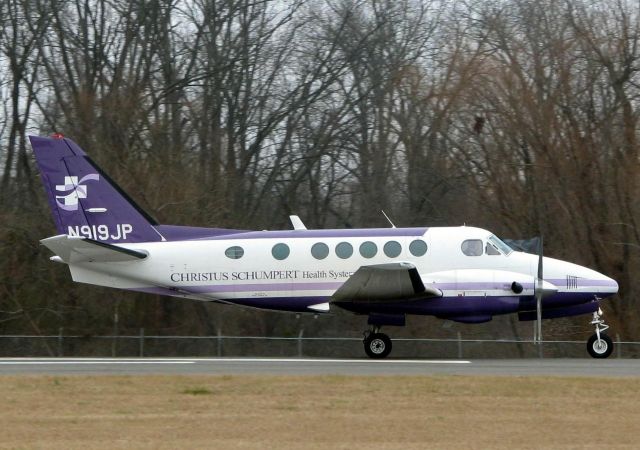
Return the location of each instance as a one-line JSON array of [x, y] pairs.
[[608, 286], [569, 277]]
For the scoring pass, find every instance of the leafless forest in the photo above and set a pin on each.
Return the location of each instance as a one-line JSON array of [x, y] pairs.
[[518, 116]]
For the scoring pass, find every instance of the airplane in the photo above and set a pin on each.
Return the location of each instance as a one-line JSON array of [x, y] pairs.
[[462, 274]]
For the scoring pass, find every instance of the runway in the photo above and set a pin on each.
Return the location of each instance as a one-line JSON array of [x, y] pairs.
[[310, 366]]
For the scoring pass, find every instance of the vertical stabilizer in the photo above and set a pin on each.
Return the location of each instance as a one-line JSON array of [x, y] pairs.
[[84, 201]]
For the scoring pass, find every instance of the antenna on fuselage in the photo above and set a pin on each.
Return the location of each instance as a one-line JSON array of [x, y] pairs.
[[387, 217], [297, 223]]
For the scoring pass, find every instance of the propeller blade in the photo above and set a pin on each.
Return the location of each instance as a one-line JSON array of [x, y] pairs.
[[540, 259], [539, 291]]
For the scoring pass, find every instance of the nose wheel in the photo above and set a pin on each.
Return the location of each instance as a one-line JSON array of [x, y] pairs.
[[599, 344], [377, 345]]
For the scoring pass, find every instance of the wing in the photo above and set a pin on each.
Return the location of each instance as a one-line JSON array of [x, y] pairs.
[[72, 249], [384, 283]]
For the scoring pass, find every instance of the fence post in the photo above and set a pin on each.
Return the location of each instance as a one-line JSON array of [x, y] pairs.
[[141, 342], [300, 342], [219, 342], [540, 349], [459, 345], [60, 342], [114, 343], [619, 347]]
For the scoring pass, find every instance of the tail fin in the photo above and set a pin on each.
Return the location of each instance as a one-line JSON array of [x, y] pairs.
[[84, 201]]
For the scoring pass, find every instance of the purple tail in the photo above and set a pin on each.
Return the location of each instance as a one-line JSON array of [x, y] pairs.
[[84, 201]]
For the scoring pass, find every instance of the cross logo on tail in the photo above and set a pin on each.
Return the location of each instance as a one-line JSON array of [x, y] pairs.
[[76, 190]]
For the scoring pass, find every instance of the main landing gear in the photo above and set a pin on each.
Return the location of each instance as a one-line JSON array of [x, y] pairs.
[[376, 345], [599, 344]]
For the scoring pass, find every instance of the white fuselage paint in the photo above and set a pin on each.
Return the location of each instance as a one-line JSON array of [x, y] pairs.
[[199, 269]]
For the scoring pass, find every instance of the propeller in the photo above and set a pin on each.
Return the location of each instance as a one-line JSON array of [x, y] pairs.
[[539, 292]]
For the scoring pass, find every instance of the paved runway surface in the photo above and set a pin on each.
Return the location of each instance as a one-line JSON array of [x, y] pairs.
[[293, 366]]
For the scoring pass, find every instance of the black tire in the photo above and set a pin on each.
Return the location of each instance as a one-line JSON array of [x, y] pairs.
[[600, 349], [377, 345]]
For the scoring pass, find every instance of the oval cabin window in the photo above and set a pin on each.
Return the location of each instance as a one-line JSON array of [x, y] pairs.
[[320, 250], [344, 250], [280, 251], [368, 249], [392, 249], [234, 252], [418, 247]]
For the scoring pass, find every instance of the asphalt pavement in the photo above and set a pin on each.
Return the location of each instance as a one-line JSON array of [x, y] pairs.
[[312, 366]]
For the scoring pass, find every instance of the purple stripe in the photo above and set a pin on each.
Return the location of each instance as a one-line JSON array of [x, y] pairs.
[[582, 282], [476, 285], [355, 232], [560, 283], [176, 233], [181, 233], [264, 287]]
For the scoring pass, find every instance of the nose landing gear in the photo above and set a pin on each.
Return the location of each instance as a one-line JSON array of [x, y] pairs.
[[599, 344], [376, 345]]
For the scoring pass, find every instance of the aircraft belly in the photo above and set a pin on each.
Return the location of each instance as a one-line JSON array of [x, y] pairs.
[[559, 299], [444, 306]]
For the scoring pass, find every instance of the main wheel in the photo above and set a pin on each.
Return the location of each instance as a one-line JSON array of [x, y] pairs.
[[599, 348], [377, 345]]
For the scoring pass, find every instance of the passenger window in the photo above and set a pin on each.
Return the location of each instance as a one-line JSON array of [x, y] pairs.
[[280, 251], [344, 250], [368, 249], [418, 247], [472, 247], [491, 250], [234, 252], [320, 250], [392, 249]]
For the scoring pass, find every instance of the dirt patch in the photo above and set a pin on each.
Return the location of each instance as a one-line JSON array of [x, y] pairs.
[[322, 412]]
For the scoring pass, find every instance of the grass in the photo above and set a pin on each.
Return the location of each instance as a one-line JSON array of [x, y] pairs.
[[320, 412], [197, 391]]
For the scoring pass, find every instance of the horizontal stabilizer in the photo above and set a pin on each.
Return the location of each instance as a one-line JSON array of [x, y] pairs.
[[383, 283], [72, 249]]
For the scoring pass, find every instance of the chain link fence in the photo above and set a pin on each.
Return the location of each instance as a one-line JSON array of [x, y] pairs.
[[299, 346]]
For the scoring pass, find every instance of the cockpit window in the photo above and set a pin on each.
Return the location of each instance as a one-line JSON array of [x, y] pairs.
[[489, 249], [500, 245], [472, 247]]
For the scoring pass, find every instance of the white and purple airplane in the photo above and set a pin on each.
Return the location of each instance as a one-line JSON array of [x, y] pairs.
[[463, 274]]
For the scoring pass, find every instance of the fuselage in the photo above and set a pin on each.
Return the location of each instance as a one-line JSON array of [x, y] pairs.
[[297, 269]]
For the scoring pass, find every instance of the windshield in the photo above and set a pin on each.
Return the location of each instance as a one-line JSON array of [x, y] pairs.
[[497, 242]]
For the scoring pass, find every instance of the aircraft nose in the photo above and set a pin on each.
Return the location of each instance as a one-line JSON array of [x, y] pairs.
[[608, 286], [580, 278]]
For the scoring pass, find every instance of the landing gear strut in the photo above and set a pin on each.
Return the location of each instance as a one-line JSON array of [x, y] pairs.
[[376, 345], [599, 344]]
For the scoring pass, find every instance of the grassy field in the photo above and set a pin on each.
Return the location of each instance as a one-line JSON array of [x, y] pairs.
[[323, 412]]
